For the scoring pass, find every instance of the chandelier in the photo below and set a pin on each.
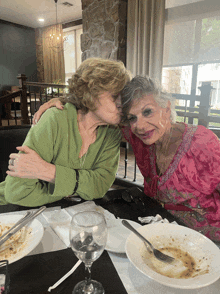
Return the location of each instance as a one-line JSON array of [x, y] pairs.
[[56, 39]]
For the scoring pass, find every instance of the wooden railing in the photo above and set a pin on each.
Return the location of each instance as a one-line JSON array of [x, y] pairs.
[[33, 94], [8, 99], [203, 113], [45, 92]]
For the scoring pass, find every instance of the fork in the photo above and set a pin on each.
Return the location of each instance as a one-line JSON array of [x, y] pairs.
[[158, 254]]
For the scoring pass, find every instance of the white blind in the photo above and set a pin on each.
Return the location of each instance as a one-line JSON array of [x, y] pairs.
[[192, 33], [174, 3]]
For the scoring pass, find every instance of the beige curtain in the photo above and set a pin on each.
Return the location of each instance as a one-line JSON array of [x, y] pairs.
[[145, 35], [50, 54]]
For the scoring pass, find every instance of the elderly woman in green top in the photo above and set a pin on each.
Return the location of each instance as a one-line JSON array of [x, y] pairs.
[[74, 151]]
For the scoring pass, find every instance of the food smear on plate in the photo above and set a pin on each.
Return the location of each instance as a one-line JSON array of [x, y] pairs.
[[15, 244], [184, 266]]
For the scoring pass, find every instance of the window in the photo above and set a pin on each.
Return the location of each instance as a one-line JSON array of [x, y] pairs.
[[174, 3], [72, 50], [192, 48]]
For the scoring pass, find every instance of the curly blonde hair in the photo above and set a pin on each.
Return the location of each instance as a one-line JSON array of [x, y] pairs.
[[93, 77]]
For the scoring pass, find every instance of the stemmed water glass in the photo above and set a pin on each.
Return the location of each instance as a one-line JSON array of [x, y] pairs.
[[88, 236]]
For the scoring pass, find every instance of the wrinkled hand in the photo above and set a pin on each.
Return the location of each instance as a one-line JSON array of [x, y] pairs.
[[28, 165], [55, 102]]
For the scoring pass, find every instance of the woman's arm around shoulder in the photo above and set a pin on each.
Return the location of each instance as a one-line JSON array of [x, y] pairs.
[[54, 102]]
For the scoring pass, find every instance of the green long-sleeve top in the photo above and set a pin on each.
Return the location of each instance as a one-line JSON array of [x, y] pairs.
[[57, 140]]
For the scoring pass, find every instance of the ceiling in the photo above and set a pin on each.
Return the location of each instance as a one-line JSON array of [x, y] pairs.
[[26, 13]]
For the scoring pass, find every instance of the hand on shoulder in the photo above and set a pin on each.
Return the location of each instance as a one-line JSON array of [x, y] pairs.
[[54, 102]]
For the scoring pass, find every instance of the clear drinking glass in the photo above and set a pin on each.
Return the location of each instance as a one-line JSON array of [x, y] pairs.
[[88, 236]]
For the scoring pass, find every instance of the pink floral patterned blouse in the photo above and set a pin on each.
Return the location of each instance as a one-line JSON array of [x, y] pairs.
[[192, 178]]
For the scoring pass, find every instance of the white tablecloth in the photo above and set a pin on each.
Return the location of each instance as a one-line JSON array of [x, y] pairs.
[[56, 238]]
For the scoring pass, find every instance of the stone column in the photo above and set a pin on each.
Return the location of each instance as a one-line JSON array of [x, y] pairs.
[[104, 29]]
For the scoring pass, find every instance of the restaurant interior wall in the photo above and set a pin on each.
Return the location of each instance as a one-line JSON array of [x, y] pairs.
[[17, 54]]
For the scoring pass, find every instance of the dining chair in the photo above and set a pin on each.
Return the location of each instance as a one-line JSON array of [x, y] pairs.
[[10, 138]]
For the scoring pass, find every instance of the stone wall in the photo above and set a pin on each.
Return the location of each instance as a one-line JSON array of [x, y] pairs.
[[104, 29]]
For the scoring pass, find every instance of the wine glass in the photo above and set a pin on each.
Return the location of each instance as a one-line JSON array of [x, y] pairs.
[[88, 236]]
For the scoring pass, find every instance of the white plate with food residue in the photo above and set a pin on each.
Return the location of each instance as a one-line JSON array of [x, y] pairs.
[[24, 241], [197, 261]]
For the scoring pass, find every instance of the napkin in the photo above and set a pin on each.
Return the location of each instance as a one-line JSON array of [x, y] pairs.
[[154, 219], [90, 206], [60, 219]]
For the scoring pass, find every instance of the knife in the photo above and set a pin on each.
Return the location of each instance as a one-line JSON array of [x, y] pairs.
[[22, 224]]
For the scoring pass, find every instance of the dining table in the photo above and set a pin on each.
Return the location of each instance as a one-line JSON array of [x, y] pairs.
[[53, 257]]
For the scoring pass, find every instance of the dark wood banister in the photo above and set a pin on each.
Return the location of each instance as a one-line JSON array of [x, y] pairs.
[[24, 107], [23, 83], [204, 99], [203, 109], [45, 85], [6, 98], [23, 94]]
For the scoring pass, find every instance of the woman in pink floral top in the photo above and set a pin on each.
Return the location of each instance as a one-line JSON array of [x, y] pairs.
[[180, 163]]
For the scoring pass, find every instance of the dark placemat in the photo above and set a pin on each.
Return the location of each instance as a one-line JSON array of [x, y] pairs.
[[132, 203], [129, 203], [35, 274]]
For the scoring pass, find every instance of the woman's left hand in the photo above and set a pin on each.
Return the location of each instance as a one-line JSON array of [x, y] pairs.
[[30, 165], [54, 102]]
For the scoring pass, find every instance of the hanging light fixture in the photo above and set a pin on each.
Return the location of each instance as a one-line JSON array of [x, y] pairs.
[[56, 39]]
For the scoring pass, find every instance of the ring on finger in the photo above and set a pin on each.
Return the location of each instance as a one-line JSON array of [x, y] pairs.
[[11, 161]]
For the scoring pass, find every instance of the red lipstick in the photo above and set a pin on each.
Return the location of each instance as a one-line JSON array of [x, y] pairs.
[[146, 135]]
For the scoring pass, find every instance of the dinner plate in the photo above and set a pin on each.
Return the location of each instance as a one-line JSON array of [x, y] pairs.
[[31, 237], [117, 235], [205, 253]]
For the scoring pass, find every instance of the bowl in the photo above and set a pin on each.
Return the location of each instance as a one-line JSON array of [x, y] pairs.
[[197, 258]]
